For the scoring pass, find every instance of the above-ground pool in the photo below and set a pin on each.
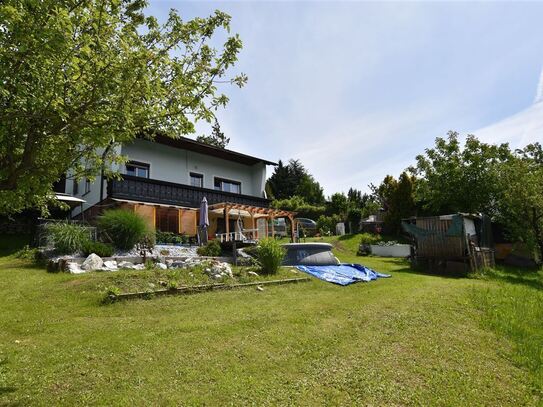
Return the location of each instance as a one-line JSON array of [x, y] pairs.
[[309, 254]]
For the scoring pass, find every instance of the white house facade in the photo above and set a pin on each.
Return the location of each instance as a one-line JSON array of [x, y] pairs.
[[165, 180]]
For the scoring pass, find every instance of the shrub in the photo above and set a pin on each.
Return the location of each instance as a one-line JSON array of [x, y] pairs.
[[270, 255], [124, 228], [211, 249], [326, 225], [68, 238], [368, 238], [168, 237], [98, 248]]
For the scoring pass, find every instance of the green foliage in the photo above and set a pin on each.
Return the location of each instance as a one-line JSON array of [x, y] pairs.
[[520, 203], [294, 180], [397, 197], [338, 205], [354, 216], [326, 225], [30, 253], [211, 249], [169, 237], [270, 255], [298, 204], [369, 238], [80, 77], [98, 248], [67, 238], [455, 179], [217, 137], [124, 228]]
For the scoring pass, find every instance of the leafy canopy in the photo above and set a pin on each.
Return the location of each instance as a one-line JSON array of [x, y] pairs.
[[453, 178], [79, 76], [294, 180]]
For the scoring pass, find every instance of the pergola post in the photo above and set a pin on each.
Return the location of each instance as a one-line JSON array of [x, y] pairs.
[[255, 234], [272, 226], [292, 231], [227, 221]]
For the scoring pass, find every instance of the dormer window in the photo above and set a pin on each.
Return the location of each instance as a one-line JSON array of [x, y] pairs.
[[137, 169]]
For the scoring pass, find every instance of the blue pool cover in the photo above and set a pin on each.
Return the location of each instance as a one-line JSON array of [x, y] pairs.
[[342, 274]]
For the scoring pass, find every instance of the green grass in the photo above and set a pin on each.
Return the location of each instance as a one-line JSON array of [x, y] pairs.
[[414, 339]]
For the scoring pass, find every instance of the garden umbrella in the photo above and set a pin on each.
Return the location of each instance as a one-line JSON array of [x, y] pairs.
[[204, 221]]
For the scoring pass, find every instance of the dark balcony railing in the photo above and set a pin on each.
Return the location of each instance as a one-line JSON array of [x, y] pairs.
[[169, 193]]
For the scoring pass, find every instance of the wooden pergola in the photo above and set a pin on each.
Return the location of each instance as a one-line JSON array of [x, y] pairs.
[[255, 212]]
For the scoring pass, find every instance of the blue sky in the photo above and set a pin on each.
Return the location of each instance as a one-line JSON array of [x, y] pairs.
[[356, 90]]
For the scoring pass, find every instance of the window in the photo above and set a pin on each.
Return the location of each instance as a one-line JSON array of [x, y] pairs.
[[227, 185], [87, 186], [137, 169], [196, 180], [75, 189]]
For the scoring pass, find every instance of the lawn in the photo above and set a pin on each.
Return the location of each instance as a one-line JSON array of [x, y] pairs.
[[414, 339]]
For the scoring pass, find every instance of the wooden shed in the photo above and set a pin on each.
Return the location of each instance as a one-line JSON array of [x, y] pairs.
[[458, 242]]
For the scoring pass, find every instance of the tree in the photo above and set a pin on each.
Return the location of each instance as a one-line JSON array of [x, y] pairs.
[[455, 179], [216, 138], [338, 205], [294, 180], [397, 198], [521, 201], [80, 77]]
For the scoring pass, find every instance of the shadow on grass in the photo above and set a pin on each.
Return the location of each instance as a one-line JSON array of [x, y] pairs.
[[526, 277]]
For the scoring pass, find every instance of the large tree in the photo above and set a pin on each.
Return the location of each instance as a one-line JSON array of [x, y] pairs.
[[521, 199], [294, 180], [455, 178], [77, 77]]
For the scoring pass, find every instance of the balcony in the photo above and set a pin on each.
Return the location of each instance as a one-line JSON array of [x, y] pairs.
[[169, 193]]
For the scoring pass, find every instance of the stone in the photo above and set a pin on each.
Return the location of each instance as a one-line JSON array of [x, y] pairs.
[[161, 266], [169, 262], [252, 273], [125, 265], [110, 264], [93, 262], [74, 268], [140, 266]]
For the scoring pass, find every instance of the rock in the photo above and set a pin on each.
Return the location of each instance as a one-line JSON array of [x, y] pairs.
[[110, 264], [93, 262], [169, 262], [252, 273], [125, 265], [140, 266], [74, 268], [161, 266]]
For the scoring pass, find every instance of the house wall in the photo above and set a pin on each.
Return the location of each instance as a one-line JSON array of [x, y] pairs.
[[174, 165]]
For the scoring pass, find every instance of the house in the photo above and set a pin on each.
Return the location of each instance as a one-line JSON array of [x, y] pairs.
[[165, 180]]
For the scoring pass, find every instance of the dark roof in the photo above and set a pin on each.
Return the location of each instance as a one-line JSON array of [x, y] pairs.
[[202, 148]]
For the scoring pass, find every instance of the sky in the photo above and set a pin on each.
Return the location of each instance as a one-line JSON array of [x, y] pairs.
[[356, 90]]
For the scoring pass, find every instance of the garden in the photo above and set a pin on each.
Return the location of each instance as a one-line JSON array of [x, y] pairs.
[[121, 242], [414, 339]]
